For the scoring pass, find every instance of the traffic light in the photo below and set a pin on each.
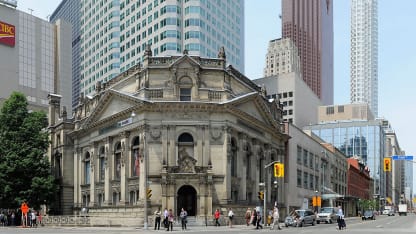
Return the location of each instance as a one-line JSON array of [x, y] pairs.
[[279, 170], [387, 164], [261, 195], [149, 193]]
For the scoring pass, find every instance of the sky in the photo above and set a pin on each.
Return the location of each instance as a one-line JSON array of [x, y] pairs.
[[396, 49]]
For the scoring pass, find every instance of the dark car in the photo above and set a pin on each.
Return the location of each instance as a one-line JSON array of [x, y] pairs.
[[368, 214], [300, 218]]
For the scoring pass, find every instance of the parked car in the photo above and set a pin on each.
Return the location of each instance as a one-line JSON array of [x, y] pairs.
[[368, 214], [300, 218], [327, 215], [391, 213]]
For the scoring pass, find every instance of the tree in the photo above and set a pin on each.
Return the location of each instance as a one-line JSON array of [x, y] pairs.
[[25, 173]]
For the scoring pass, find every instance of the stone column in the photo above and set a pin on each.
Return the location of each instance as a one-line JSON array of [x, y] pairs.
[[93, 160], [125, 155], [143, 168], [108, 166], [77, 177]]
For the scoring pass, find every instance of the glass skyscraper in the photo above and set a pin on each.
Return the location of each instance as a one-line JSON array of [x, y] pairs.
[[364, 53], [115, 33]]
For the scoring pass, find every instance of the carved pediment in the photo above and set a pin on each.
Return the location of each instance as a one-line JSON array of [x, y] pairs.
[[253, 110], [112, 104]]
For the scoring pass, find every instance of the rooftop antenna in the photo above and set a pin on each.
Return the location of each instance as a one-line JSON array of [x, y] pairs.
[[31, 10]]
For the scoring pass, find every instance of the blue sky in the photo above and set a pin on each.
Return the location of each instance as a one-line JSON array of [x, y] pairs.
[[397, 54]]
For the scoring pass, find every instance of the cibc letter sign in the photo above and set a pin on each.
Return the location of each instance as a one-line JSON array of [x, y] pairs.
[[7, 34]]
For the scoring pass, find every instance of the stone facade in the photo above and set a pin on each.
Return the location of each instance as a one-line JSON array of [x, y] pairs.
[[190, 131]]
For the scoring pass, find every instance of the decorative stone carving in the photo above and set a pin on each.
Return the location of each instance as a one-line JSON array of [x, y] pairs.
[[155, 133], [216, 133], [186, 162]]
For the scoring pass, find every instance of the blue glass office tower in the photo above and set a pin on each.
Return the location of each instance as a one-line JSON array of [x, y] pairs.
[[365, 139]]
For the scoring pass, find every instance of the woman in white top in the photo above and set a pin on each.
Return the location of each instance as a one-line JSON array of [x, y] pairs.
[[230, 217]]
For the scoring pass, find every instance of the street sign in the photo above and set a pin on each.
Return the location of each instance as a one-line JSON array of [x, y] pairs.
[[402, 157]]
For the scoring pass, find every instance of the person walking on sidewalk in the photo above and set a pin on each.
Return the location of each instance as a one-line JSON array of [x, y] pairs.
[[258, 221], [171, 218], [217, 215], [230, 217], [341, 220], [248, 216], [184, 220], [275, 219], [157, 219]]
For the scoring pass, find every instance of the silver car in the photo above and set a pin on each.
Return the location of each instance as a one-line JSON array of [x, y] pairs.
[[300, 218], [327, 215]]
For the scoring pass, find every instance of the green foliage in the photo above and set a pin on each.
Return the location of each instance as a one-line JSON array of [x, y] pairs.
[[367, 204], [24, 167]]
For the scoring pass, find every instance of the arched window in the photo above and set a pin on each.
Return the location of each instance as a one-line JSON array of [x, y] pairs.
[[101, 170], [185, 145], [185, 138], [117, 161], [135, 157], [87, 168]]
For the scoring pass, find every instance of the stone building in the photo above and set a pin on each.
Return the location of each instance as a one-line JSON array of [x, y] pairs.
[[173, 132]]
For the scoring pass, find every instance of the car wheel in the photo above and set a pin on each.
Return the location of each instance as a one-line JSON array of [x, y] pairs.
[[318, 222], [330, 221]]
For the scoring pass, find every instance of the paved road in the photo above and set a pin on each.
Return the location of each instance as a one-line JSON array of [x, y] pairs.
[[382, 225]]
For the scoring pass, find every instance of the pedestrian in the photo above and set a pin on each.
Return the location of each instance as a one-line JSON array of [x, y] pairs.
[[40, 218], [183, 215], [275, 219], [13, 217], [157, 218], [33, 218], [341, 220], [248, 216], [230, 217], [258, 221], [254, 217], [171, 218], [217, 215], [165, 217]]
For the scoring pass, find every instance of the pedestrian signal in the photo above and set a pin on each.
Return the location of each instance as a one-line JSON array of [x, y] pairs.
[[387, 164], [261, 195], [279, 170], [149, 193]]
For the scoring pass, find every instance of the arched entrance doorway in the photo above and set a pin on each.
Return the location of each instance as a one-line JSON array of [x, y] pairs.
[[187, 200]]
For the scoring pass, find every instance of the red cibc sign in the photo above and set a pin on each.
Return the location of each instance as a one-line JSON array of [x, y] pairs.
[[7, 34]]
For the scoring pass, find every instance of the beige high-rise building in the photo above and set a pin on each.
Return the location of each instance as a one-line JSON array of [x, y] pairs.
[[282, 57]]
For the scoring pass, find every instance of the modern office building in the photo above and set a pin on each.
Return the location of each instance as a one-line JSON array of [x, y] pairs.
[[114, 34], [364, 53], [35, 58], [309, 24], [70, 11]]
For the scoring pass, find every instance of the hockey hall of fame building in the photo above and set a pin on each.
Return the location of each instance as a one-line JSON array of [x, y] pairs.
[[173, 132]]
